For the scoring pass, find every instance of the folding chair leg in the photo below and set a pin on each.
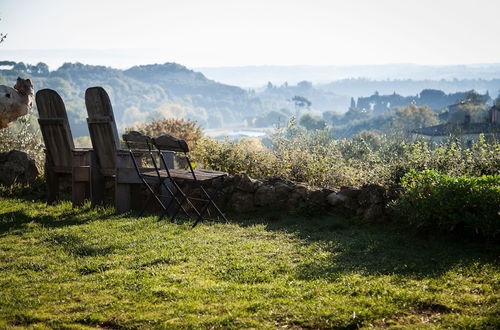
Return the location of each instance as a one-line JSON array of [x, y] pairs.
[[186, 199], [173, 199], [145, 206], [210, 202]]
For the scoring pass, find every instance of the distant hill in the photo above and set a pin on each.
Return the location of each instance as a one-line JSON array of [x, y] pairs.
[[140, 93], [255, 76], [146, 92]]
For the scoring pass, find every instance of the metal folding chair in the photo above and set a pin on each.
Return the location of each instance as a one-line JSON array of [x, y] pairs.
[[194, 178], [138, 145]]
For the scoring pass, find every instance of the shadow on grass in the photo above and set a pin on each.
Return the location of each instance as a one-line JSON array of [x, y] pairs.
[[62, 216], [35, 192], [355, 246]]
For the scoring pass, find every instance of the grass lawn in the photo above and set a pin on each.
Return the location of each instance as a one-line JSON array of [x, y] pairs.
[[76, 268]]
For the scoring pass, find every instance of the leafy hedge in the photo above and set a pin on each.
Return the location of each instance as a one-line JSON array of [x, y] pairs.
[[434, 201], [314, 157]]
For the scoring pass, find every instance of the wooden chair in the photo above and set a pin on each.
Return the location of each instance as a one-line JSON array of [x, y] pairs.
[[61, 156], [109, 157]]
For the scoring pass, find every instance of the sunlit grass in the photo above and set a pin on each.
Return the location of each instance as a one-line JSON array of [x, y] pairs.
[[62, 267]]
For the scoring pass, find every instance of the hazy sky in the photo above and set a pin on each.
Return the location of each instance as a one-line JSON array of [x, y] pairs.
[[257, 32]]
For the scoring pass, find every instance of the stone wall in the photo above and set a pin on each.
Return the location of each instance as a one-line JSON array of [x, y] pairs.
[[240, 193]]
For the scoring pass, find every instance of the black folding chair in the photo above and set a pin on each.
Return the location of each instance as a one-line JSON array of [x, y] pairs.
[[138, 145], [194, 178]]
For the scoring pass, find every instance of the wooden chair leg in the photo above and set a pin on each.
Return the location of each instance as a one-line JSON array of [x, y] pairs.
[[96, 182], [122, 197], [78, 193], [52, 181]]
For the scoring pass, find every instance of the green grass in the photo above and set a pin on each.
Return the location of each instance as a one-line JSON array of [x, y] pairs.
[[76, 268]]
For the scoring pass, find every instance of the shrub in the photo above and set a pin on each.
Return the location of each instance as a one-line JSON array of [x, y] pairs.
[[434, 201], [24, 135], [245, 156], [185, 129], [314, 157]]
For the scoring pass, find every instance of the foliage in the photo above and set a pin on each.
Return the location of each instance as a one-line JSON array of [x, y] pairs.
[[141, 92], [301, 102], [332, 117], [244, 156], [433, 201], [413, 116], [469, 112], [311, 122], [187, 130], [65, 267], [315, 158], [272, 118], [24, 135]]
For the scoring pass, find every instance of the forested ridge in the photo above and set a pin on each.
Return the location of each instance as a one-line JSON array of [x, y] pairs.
[[147, 92]]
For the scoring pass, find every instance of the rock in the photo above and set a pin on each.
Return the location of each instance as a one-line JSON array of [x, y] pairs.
[[371, 194], [17, 167], [244, 183], [349, 191], [335, 199], [299, 195], [242, 194], [282, 188], [375, 213], [352, 194], [264, 195], [242, 202], [281, 194], [229, 182], [318, 196]]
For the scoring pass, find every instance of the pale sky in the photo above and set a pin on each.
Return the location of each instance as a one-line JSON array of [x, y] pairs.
[[258, 32]]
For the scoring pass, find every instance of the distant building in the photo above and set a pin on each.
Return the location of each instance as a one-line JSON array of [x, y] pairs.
[[469, 132]]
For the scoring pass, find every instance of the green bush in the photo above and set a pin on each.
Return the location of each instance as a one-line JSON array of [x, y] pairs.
[[187, 130], [244, 156], [314, 157], [434, 201], [24, 135]]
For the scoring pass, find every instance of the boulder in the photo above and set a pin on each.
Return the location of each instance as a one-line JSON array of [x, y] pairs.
[[375, 213], [371, 194], [264, 195], [335, 199], [244, 183], [242, 201], [350, 192], [298, 195], [281, 194], [17, 167], [352, 195]]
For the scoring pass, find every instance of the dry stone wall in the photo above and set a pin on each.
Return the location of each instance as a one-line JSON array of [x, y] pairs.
[[240, 193]]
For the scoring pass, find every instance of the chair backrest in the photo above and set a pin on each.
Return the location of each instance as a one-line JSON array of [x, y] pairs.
[[137, 140], [55, 128], [102, 127], [167, 142]]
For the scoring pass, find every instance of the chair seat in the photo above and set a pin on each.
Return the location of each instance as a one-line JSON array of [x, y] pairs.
[[201, 175]]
